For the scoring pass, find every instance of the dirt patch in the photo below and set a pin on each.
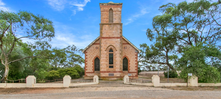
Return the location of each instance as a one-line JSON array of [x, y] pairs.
[[148, 78], [26, 90], [215, 88], [171, 80]]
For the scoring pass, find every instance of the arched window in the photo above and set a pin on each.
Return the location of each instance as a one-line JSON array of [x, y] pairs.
[[111, 58], [111, 15], [97, 64], [125, 64]]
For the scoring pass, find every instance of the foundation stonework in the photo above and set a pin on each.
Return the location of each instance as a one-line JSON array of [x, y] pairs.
[[111, 38]]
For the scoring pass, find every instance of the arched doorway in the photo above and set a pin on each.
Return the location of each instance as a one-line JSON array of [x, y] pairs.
[[97, 64]]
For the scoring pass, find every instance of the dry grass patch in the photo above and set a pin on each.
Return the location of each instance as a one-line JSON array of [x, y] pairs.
[[215, 88]]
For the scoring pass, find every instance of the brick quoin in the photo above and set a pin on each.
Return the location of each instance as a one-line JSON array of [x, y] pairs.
[[111, 38]]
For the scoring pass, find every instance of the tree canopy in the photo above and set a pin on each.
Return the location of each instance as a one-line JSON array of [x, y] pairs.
[[181, 27], [16, 26]]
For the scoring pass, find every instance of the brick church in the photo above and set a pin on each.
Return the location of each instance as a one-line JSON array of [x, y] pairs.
[[111, 55]]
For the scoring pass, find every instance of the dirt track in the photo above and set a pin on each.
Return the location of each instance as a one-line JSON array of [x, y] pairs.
[[110, 90]]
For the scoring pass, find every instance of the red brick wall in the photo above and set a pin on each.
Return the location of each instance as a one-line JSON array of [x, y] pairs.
[[111, 38], [105, 13], [131, 54], [90, 54]]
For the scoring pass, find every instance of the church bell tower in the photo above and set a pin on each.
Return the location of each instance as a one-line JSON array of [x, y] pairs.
[[110, 40]]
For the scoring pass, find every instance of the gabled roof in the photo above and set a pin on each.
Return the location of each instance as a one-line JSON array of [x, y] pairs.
[[91, 44], [131, 44], [99, 38]]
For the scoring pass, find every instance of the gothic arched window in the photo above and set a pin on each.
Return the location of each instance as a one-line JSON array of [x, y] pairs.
[[111, 15], [111, 58], [125, 64], [97, 64]]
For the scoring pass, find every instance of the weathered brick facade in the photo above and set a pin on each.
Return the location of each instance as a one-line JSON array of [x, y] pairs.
[[111, 39]]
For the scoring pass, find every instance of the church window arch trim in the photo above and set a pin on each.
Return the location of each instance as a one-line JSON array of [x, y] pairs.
[[96, 63], [128, 64], [111, 47]]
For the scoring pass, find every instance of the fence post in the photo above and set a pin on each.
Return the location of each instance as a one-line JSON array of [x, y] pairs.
[[156, 80], [193, 81], [66, 81], [96, 79], [126, 79], [30, 81]]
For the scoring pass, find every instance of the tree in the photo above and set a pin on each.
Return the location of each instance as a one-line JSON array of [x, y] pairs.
[[182, 25], [22, 25], [66, 57], [200, 60], [72, 56], [58, 57]]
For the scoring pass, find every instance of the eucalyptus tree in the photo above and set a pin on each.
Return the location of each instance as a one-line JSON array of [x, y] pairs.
[[202, 60], [183, 25], [73, 56], [23, 25], [66, 57]]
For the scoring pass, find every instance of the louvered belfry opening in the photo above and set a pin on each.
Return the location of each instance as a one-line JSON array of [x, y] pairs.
[[111, 15]]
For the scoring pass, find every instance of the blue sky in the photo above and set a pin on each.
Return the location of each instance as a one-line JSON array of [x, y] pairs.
[[77, 21]]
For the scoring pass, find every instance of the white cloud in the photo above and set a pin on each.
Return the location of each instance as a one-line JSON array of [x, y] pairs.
[[80, 5], [62, 41], [3, 7], [64, 37], [60, 5], [131, 19], [1, 3], [57, 4]]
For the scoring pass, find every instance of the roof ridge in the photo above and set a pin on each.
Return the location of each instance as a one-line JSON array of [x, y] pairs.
[[122, 37]]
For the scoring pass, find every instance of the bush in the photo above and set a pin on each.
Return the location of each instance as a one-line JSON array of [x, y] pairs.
[[139, 70], [80, 70], [207, 74], [69, 71], [74, 72], [172, 74], [211, 75], [41, 74], [53, 75]]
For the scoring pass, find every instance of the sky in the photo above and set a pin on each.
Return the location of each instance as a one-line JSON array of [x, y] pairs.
[[77, 21]]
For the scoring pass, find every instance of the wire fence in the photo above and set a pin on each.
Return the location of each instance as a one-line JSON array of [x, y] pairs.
[[16, 81], [49, 81], [140, 80], [81, 80]]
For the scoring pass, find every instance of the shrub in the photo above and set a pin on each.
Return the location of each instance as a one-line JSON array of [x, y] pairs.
[[69, 71], [53, 75], [139, 70], [41, 74], [72, 72], [207, 74], [172, 74], [80, 70]]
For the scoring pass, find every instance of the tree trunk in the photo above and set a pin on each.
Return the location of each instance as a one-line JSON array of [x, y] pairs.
[[5, 76], [167, 61]]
